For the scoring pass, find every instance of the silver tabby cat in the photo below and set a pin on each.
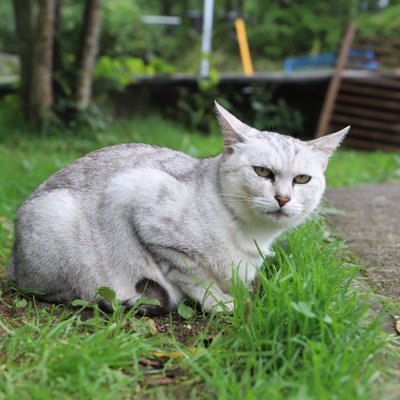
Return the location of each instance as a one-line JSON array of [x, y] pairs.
[[147, 220]]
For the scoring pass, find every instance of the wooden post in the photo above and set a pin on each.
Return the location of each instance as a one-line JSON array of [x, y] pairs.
[[335, 82], [244, 47]]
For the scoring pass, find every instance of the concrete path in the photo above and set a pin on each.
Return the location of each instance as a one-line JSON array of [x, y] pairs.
[[370, 223]]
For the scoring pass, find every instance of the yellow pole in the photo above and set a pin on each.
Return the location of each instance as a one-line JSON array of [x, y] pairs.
[[244, 47]]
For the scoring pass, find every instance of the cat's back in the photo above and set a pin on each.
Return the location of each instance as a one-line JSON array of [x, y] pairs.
[[94, 170]]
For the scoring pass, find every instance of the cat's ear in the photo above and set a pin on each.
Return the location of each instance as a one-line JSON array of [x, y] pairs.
[[232, 129], [326, 145]]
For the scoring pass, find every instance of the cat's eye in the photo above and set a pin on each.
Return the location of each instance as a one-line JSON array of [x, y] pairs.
[[264, 172], [302, 179]]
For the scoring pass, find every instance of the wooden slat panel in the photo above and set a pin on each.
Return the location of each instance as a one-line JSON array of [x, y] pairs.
[[390, 52], [369, 134], [359, 143], [370, 104], [355, 100], [356, 66], [362, 112], [370, 91], [389, 62], [378, 81], [368, 123], [377, 40]]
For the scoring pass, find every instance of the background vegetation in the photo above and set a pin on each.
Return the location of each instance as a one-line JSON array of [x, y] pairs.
[[129, 48], [276, 29]]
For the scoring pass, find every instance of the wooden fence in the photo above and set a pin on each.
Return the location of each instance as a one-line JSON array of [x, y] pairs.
[[368, 101]]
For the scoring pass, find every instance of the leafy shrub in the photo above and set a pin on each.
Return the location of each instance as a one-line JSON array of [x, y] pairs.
[[121, 71], [256, 106], [384, 24]]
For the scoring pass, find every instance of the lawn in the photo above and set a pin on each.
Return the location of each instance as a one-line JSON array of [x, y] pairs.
[[304, 332]]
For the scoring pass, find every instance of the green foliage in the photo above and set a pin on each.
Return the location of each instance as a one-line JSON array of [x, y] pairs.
[[305, 329], [275, 29], [120, 72], [258, 107], [195, 109], [123, 34], [107, 293], [185, 311], [7, 36], [296, 27], [383, 24], [274, 114], [351, 167]]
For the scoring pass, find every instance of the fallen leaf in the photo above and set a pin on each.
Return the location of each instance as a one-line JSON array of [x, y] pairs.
[[160, 381], [196, 351], [398, 326], [161, 354], [151, 363], [152, 326]]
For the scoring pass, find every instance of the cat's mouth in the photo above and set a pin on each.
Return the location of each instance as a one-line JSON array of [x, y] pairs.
[[279, 214]]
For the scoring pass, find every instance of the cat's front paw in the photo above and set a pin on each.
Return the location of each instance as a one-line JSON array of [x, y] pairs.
[[223, 308], [268, 253]]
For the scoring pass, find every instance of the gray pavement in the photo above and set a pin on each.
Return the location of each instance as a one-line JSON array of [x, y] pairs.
[[370, 224]]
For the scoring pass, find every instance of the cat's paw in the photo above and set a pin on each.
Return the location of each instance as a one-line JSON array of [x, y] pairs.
[[269, 253]]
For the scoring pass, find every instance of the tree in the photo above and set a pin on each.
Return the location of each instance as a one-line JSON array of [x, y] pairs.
[[90, 40], [36, 25], [40, 98]]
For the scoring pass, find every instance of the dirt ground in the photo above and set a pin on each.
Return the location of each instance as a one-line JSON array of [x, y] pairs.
[[369, 221]]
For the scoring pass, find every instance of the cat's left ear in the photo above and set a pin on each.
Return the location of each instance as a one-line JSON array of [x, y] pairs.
[[326, 145], [234, 131]]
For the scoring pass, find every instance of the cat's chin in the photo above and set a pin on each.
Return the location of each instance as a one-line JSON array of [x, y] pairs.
[[281, 218], [277, 216]]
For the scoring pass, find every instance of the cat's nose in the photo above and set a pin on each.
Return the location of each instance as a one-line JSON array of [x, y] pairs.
[[282, 200]]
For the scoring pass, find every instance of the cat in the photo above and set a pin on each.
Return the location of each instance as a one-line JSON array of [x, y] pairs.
[[151, 221]]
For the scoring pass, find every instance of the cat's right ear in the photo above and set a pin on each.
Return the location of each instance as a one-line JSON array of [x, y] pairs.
[[232, 129]]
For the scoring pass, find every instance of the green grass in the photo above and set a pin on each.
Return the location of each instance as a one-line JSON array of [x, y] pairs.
[[305, 334]]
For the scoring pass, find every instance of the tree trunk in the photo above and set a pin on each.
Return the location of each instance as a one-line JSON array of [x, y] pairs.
[[41, 93], [24, 32], [58, 91], [86, 61]]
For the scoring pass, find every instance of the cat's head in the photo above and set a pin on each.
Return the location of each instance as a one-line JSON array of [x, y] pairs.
[[272, 177]]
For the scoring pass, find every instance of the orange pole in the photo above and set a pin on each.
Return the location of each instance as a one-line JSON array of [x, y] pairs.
[[244, 47]]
